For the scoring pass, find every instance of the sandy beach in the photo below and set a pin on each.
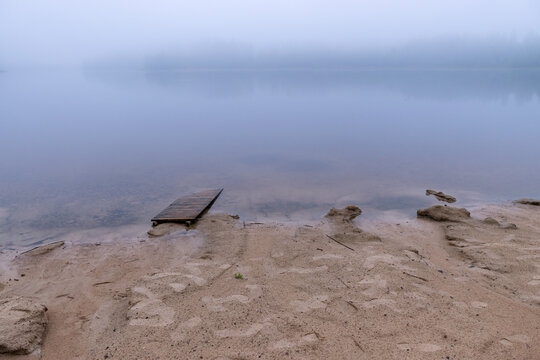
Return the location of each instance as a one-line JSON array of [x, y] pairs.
[[457, 287], [260, 180]]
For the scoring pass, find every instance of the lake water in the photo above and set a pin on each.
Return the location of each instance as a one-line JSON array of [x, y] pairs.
[[85, 150]]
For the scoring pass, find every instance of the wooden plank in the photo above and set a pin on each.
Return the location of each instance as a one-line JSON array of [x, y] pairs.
[[188, 208]]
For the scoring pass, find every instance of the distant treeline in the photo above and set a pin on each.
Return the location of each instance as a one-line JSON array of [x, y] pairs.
[[436, 53]]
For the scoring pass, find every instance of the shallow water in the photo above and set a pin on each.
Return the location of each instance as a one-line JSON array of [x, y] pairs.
[[83, 150]]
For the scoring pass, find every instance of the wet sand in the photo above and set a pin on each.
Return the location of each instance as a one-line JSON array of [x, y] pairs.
[[328, 289]]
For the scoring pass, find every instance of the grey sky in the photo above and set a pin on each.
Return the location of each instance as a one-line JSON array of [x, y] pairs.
[[67, 32]]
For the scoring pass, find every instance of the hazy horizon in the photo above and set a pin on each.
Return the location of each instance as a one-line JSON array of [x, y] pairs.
[[67, 34]]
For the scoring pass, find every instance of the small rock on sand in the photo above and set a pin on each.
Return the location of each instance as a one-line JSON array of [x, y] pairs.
[[22, 323], [441, 196], [444, 213], [348, 213], [528, 202], [40, 250], [490, 221]]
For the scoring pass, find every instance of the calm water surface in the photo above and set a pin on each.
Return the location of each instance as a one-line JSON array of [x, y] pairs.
[[83, 150]]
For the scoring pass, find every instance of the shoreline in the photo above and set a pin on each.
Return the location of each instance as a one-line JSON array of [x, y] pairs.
[[334, 288]]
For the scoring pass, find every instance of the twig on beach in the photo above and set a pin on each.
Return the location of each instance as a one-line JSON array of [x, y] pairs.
[[414, 276], [357, 344], [351, 303], [319, 336], [340, 243], [343, 282]]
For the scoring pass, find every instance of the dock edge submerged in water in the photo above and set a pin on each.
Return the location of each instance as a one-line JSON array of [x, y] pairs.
[[188, 209]]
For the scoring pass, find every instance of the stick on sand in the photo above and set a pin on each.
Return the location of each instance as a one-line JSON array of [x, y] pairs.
[[340, 243]]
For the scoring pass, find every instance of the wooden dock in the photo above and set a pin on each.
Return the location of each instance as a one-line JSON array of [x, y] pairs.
[[189, 208]]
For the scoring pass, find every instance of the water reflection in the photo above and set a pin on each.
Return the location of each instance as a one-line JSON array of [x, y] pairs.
[[88, 150], [484, 84]]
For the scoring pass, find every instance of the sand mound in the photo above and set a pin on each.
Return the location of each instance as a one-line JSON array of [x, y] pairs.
[[441, 196], [528, 202], [165, 229], [491, 221], [348, 213], [22, 323], [444, 213]]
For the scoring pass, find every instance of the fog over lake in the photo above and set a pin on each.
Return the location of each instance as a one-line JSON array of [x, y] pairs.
[[107, 115], [83, 150]]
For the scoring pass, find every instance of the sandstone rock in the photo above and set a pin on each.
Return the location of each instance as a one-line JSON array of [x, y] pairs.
[[441, 196], [22, 324], [490, 221], [346, 214], [40, 250], [444, 213], [528, 202], [509, 226]]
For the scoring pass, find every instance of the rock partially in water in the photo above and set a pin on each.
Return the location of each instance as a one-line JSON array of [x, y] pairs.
[[40, 250], [444, 213], [441, 196], [346, 214], [528, 202], [22, 324]]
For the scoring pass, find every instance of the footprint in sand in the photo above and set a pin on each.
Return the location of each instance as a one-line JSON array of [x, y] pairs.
[[316, 302], [194, 268], [479, 304], [305, 270], [535, 281], [178, 287], [395, 261], [254, 290], [180, 332], [519, 338], [415, 295], [527, 257], [287, 343], [381, 302], [216, 304], [327, 256], [419, 347], [460, 304], [196, 279], [150, 311], [252, 330], [372, 285]]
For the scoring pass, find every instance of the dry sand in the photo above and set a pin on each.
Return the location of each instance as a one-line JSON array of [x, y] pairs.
[[421, 289]]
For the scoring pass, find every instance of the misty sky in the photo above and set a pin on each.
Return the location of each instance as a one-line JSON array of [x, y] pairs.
[[70, 32]]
